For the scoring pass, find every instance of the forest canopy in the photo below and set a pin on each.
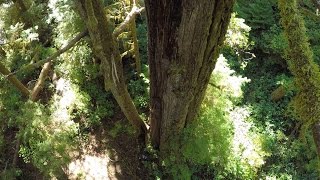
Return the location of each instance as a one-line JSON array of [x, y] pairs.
[[127, 89]]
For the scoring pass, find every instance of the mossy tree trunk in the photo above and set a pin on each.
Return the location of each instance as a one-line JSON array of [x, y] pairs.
[[301, 64], [106, 49], [316, 135], [135, 44], [184, 42]]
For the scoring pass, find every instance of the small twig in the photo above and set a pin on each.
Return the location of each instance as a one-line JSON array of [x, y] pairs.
[[134, 11], [70, 44]]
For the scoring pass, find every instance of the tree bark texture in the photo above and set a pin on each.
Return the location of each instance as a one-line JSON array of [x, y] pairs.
[[184, 41], [106, 49]]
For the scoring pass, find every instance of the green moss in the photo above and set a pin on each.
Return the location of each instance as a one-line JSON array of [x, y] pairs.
[[92, 20], [301, 64]]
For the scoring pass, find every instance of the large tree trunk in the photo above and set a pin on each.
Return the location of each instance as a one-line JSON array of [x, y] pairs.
[[184, 41], [106, 49]]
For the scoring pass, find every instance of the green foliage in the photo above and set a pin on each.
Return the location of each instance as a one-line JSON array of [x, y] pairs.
[[273, 40], [120, 128], [209, 143], [260, 15], [82, 71], [142, 41], [237, 36], [263, 18], [93, 102], [290, 159], [139, 89], [272, 124], [46, 140], [208, 139]]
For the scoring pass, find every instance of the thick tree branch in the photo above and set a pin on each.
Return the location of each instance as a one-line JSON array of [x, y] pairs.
[[106, 49], [13, 79], [132, 14], [39, 85], [70, 44]]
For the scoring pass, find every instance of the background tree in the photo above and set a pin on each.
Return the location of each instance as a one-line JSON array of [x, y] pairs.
[[106, 50]]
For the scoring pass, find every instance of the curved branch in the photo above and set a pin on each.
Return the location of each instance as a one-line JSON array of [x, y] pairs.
[[70, 44], [13, 79], [132, 14]]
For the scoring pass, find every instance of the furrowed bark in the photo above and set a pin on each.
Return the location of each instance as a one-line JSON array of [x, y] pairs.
[[184, 42]]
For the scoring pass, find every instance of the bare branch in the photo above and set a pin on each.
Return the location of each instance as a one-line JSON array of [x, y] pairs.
[[70, 44], [132, 14]]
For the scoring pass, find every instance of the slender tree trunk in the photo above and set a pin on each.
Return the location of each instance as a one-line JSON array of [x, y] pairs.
[[133, 29], [106, 49], [184, 42]]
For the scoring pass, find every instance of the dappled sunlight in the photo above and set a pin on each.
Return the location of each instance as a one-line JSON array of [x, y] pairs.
[[89, 167], [245, 142], [63, 101], [229, 82], [237, 33], [88, 163]]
